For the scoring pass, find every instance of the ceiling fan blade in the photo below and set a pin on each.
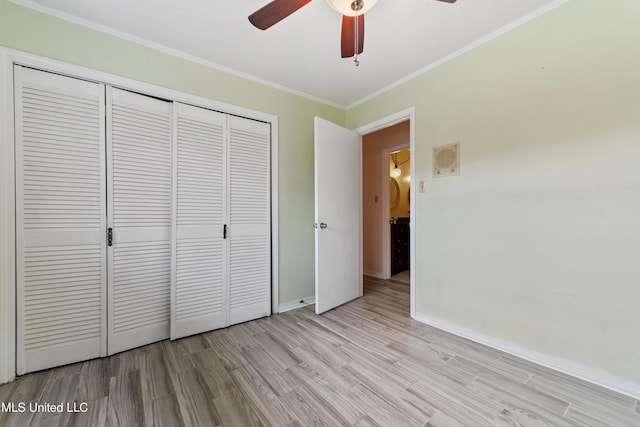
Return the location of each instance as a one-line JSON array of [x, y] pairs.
[[447, 1], [348, 40], [275, 12]]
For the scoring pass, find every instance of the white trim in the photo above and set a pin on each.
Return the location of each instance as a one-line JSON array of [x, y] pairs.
[[586, 373], [9, 57], [30, 60], [164, 49], [479, 42], [275, 248], [192, 58], [7, 224], [390, 120], [386, 217], [412, 215], [292, 305], [385, 122], [360, 221]]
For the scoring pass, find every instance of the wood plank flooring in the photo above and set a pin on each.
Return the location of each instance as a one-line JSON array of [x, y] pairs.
[[363, 364]]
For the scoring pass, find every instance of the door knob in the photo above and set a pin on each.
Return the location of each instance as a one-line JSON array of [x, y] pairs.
[[323, 225]]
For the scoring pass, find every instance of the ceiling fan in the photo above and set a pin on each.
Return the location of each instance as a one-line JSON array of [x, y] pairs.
[[352, 20]]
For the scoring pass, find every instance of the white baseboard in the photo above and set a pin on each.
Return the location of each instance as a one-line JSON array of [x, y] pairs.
[[292, 305], [376, 274], [586, 373]]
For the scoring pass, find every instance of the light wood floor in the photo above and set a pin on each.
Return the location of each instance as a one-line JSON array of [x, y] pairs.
[[404, 277], [363, 364]]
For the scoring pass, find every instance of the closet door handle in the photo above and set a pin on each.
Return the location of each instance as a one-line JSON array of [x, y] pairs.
[[109, 236], [224, 231]]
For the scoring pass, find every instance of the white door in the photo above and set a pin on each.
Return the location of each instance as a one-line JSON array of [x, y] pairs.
[[139, 135], [199, 285], [249, 233], [338, 204], [61, 219]]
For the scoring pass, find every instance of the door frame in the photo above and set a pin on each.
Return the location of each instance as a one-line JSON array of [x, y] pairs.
[[385, 122], [9, 58], [7, 224], [386, 216]]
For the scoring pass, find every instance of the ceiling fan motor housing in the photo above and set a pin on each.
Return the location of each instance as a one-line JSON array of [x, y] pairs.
[[352, 11], [351, 7]]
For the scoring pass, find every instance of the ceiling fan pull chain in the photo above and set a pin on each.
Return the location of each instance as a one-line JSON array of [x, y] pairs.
[[355, 38]]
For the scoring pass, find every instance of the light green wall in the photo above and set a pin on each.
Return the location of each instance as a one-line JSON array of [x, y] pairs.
[[37, 33], [537, 241]]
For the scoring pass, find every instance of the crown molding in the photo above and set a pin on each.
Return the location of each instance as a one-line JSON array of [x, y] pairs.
[[170, 51], [192, 58], [479, 42]]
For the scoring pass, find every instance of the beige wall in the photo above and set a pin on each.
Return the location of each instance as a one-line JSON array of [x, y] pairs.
[[536, 242], [372, 188]]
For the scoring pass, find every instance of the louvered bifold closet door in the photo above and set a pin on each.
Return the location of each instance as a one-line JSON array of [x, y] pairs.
[[60, 212], [249, 219], [199, 282], [139, 137]]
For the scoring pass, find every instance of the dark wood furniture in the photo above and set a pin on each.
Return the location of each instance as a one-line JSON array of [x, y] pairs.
[[399, 245]]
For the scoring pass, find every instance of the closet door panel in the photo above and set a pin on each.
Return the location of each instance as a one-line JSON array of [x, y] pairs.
[[249, 220], [139, 135], [61, 220], [199, 285]]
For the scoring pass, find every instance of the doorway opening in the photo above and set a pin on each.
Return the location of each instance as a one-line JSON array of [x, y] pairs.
[[386, 211], [335, 223], [399, 210]]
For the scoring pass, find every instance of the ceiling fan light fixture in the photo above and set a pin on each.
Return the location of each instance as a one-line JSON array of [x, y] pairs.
[[344, 7]]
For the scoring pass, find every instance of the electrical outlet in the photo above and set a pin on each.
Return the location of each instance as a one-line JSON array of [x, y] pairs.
[[421, 185]]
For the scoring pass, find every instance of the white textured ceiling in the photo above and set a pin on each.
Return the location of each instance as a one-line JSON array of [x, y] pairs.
[[302, 53]]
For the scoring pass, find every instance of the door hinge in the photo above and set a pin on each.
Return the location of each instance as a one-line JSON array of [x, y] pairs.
[[109, 236]]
